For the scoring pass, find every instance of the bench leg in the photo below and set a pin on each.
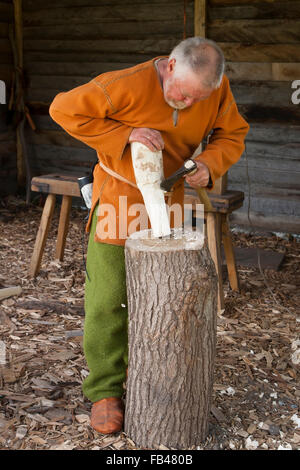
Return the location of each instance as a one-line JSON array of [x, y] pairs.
[[63, 227], [229, 254], [213, 222], [42, 235]]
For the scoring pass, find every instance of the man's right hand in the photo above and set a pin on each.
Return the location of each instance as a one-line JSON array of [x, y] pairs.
[[149, 137]]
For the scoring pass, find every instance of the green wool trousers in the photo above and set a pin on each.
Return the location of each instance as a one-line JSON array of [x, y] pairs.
[[105, 341]]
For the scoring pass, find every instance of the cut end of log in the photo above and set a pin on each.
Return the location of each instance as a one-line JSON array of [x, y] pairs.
[[179, 239]]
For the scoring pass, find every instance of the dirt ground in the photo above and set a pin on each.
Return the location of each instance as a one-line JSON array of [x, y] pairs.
[[256, 385]]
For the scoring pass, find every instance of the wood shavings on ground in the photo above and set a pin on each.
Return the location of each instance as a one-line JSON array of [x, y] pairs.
[[256, 386]]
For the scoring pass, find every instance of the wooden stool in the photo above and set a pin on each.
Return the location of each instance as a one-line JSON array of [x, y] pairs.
[[218, 231], [67, 186]]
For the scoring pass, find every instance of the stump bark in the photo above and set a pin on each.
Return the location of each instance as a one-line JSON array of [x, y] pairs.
[[172, 309]]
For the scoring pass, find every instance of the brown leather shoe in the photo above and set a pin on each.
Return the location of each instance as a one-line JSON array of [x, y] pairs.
[[107, 415]]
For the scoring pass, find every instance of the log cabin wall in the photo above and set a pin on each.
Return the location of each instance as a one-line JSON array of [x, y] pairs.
[[8, 169], [67, 43], [261, 43]]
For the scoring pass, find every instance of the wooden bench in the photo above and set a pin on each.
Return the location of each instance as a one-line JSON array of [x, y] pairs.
[[224, 202]]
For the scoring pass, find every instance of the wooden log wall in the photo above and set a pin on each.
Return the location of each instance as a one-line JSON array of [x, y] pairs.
[[67, 43], [261, 43], [8, 171]]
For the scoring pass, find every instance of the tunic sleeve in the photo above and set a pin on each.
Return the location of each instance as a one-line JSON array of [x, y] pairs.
[[85, 113], [226, 143]]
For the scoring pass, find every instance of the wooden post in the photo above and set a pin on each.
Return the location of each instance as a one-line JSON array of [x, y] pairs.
[[172, 310], [200, 18]]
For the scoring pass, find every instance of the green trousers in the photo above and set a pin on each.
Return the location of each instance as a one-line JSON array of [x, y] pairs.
[[105, 341]]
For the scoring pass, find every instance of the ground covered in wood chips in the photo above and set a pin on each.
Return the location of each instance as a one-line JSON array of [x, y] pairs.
[[256, 387]]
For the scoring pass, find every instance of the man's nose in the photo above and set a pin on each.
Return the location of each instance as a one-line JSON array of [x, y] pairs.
[[188, 101]]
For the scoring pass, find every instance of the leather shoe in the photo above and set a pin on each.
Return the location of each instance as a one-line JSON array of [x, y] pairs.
[[107, 415]]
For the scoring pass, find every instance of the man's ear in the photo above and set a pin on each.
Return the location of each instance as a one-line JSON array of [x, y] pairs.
[[171, 65]]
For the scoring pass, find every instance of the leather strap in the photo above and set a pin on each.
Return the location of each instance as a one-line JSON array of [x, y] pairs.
[[116, 175]]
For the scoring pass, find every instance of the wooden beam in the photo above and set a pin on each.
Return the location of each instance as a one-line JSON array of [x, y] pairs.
[[200, 18]]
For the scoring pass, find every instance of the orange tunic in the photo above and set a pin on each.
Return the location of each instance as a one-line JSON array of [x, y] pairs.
[[103, 112]]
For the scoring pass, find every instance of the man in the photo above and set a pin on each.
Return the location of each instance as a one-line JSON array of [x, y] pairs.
[[169, 104]]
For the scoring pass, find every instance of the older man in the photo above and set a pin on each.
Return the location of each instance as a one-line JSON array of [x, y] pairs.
[[169, 104]]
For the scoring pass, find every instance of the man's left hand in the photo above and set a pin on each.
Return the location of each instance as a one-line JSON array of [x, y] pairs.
[[200, 178]]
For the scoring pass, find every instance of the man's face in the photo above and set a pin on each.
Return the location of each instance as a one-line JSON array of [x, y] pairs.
[[183, 92]]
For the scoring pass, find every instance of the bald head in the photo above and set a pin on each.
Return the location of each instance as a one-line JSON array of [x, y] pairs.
[[202, 57]]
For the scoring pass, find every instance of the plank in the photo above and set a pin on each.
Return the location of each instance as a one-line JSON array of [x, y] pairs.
[[241, 52], [274, 133], [91, 69], [200, 13], [271, 222], [273, 177], [265, 93], [249, 257], [255, 10], [117, 30], [56, 184], [32, 5], [149, 45], [255, 31], [53, 137], [273, 114], [93, 57], [61, 83], [262, 71], [104, 13], [217, 3]]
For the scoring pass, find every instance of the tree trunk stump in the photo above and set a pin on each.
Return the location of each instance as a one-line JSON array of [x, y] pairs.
[[172, 310]]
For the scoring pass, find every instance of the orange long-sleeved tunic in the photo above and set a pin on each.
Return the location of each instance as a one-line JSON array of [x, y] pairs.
[[103, 112]]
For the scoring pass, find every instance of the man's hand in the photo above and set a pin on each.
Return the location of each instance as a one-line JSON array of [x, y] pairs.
[[200, 178], [149, 137]]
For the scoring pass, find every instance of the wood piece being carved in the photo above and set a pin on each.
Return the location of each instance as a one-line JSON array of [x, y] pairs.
[[148, 170]]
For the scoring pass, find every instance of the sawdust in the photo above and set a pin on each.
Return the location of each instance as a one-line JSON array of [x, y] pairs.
[[256, 387]]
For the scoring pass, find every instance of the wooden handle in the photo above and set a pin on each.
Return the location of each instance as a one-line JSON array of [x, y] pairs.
[[204, 199]]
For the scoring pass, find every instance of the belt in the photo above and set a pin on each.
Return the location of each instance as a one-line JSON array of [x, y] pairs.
[[111, 172]]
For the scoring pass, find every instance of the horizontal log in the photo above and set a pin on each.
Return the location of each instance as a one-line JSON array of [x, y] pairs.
[[61, 83], [33, 5], [89, 69], [285, 150], [141, 46], [60, 56], [274, 133], [271, 222], [117, 30], [264, 93], [262, 71], [272, 205], [218, 3], [261, 163], [272, 177], [255, 31], [63, 155], [106, 13], [270, 114], [282, 52], [53, 137], [255, 10]]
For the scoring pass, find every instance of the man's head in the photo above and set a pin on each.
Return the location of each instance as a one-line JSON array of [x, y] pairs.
[[195, 68]]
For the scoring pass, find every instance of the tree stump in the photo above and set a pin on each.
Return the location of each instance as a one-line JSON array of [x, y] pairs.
[[172, 310]]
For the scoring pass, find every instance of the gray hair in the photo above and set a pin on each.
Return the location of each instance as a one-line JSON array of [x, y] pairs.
[[196, 54]]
